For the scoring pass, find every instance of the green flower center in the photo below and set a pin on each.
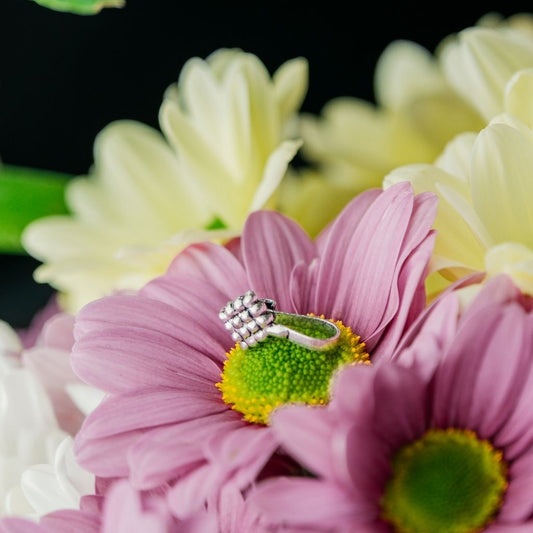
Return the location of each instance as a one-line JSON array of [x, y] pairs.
[[449, 481], [276, 371]]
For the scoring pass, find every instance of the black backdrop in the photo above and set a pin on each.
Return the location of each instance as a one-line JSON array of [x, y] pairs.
[[64, 77]]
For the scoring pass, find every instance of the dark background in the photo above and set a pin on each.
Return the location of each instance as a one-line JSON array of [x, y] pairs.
[[64, 76]]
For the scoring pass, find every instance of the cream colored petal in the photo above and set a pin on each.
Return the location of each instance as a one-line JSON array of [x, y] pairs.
[[502, 184], [519, 96], [311, 129], [264, 114], [461, 204], [456, 157], [84, 278], [60, 237], [513, 259], [350, 129], [57, 237], [87, 198], [439, 116], [201, 97], [290, 86], [218, 110], [521, 22], [456, 242], [404, 71], [275, 169], [140, 175], [480, 63], [313, 200], [217, 183], [191, 236], [221, 59]]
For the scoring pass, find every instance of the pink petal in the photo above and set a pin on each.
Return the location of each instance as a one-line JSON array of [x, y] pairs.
[[426, 342], [400, 412], [304, 503], [518, 503], [457, 374], [407, 301], [190, 493], [301, 284], [411, 335], [235, 248], [334, 235], [212, 263], [526, 527], [150, 408], [305, 432], [105, 457], [165, 453], [57, 332], [71, 522], [272, 245], [502, 374], [237, 456], [363, 465], [231, 511], [497, 290], [516, 437], [355, 278], [352, 390], [123, 513], [19, 525], [480, 380], [407, 291], [242, 452], [191, 327], [199, 303], [119, 359]]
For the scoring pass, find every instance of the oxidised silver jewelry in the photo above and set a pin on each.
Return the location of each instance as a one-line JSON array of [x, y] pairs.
[[250, 320]]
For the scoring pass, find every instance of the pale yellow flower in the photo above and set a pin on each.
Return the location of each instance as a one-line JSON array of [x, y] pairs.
[[422, 101], [228, 138], [415, 115], [485, 185], [479, 62]]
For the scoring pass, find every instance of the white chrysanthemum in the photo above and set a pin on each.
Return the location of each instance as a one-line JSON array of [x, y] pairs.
[[422, 102], [485, 185], [227, 144], [38, 472]]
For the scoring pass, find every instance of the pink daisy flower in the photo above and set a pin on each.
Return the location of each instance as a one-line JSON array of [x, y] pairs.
[[186, 405], [401, 451]]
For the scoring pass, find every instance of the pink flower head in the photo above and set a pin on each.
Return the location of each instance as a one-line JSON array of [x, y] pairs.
[[159, 354], [402, 450]]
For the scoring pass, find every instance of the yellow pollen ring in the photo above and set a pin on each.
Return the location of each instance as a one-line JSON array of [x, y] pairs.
[[277, 371]]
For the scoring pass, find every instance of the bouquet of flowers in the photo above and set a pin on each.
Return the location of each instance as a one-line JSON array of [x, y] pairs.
[[237, 343]]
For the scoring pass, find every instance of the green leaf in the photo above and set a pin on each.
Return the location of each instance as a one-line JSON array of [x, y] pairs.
[[25, 195], [80, 7]]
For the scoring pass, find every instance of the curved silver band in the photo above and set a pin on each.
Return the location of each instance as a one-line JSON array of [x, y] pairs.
[[250, 320]]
